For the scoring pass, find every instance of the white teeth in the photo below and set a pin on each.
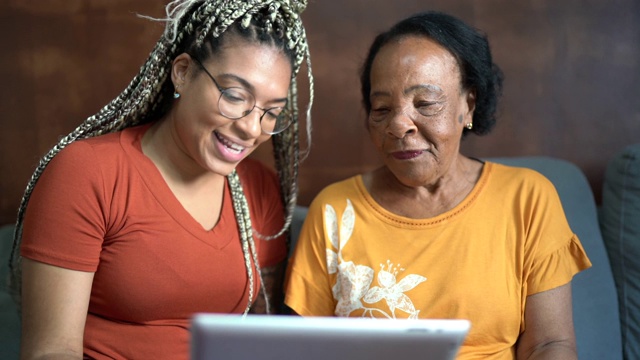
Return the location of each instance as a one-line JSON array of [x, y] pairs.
[[233, 147]]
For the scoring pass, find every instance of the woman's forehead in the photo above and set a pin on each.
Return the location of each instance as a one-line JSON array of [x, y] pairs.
[[416, 62]]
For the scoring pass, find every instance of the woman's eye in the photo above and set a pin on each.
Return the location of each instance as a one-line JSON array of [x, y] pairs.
[[233, 96], [425, 104], [428, 108], [273, 114], [379, 114]]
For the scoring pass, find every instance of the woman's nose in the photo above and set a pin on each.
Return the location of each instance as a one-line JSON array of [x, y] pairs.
[[402, 123], [250, 124]]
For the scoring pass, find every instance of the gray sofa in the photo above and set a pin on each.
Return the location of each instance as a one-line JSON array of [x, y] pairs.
[[603, 328]]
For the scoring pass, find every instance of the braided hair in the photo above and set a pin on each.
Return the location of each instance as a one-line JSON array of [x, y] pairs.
[[197, 27]]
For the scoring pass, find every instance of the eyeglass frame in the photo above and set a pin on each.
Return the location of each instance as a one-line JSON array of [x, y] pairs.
[[247, 112]]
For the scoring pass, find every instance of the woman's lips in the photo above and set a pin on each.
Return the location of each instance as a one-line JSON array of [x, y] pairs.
[[231, 151], [406, 155]]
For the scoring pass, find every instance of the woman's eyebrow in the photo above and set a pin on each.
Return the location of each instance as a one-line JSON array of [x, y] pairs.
[[428, 87]]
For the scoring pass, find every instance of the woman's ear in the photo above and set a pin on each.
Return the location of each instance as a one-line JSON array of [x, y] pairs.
[[471, 101], [180, 70]]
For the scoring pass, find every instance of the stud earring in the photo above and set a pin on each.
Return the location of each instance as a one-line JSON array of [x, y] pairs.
[[469, 126]]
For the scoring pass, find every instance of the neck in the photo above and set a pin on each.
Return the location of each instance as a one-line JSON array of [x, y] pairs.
[[427, 200], [161, 145]]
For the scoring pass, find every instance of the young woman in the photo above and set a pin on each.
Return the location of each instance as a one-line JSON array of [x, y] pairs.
[[150, 210]]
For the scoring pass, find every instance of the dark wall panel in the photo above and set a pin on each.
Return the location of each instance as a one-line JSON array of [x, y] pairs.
[[572, 73]]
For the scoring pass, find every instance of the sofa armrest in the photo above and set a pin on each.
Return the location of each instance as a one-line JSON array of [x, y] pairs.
[[620, 224]]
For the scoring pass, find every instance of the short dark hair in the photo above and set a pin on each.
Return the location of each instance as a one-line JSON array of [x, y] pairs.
[[469, 46]]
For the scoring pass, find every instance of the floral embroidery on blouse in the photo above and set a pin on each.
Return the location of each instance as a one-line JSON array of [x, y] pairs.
[[353, 282]]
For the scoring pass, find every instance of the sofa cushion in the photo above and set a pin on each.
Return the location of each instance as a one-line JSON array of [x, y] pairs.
[[620, 223], [9, 319]]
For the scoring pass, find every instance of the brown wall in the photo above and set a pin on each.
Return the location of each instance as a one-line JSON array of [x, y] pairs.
[[572, 72]]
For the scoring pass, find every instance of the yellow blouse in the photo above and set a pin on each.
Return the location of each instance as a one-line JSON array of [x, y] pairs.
[[479, 261]]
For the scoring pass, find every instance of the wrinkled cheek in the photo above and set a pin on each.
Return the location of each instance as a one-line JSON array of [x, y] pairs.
[[376, 139]]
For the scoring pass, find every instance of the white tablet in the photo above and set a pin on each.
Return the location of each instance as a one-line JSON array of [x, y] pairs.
[[281, 337]]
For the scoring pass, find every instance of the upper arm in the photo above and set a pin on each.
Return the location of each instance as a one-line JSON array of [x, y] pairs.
[[55, 302], [549, 329]]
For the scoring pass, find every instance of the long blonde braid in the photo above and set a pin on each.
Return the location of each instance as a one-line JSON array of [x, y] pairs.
[[147, 95]]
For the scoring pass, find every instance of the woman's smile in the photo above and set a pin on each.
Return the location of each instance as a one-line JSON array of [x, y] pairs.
[[407, 154], [212, 140], [228, 149]]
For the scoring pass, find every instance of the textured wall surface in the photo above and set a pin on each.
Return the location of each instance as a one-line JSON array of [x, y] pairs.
[[572, 72]]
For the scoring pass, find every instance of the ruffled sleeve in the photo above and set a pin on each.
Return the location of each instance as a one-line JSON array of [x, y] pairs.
[[553, 252], [558, 268]]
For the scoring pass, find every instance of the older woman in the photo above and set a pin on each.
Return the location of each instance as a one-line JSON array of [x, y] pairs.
[[434, 233]]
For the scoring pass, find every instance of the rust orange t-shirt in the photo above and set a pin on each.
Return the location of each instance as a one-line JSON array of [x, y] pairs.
[[102, 206]]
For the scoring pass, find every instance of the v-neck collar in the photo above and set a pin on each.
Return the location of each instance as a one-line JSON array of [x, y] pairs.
[[131, 142]]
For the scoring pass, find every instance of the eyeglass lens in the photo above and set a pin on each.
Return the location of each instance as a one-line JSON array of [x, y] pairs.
[[236, 103]]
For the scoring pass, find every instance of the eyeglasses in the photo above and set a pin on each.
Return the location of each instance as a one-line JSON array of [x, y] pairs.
[[235, 103]]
